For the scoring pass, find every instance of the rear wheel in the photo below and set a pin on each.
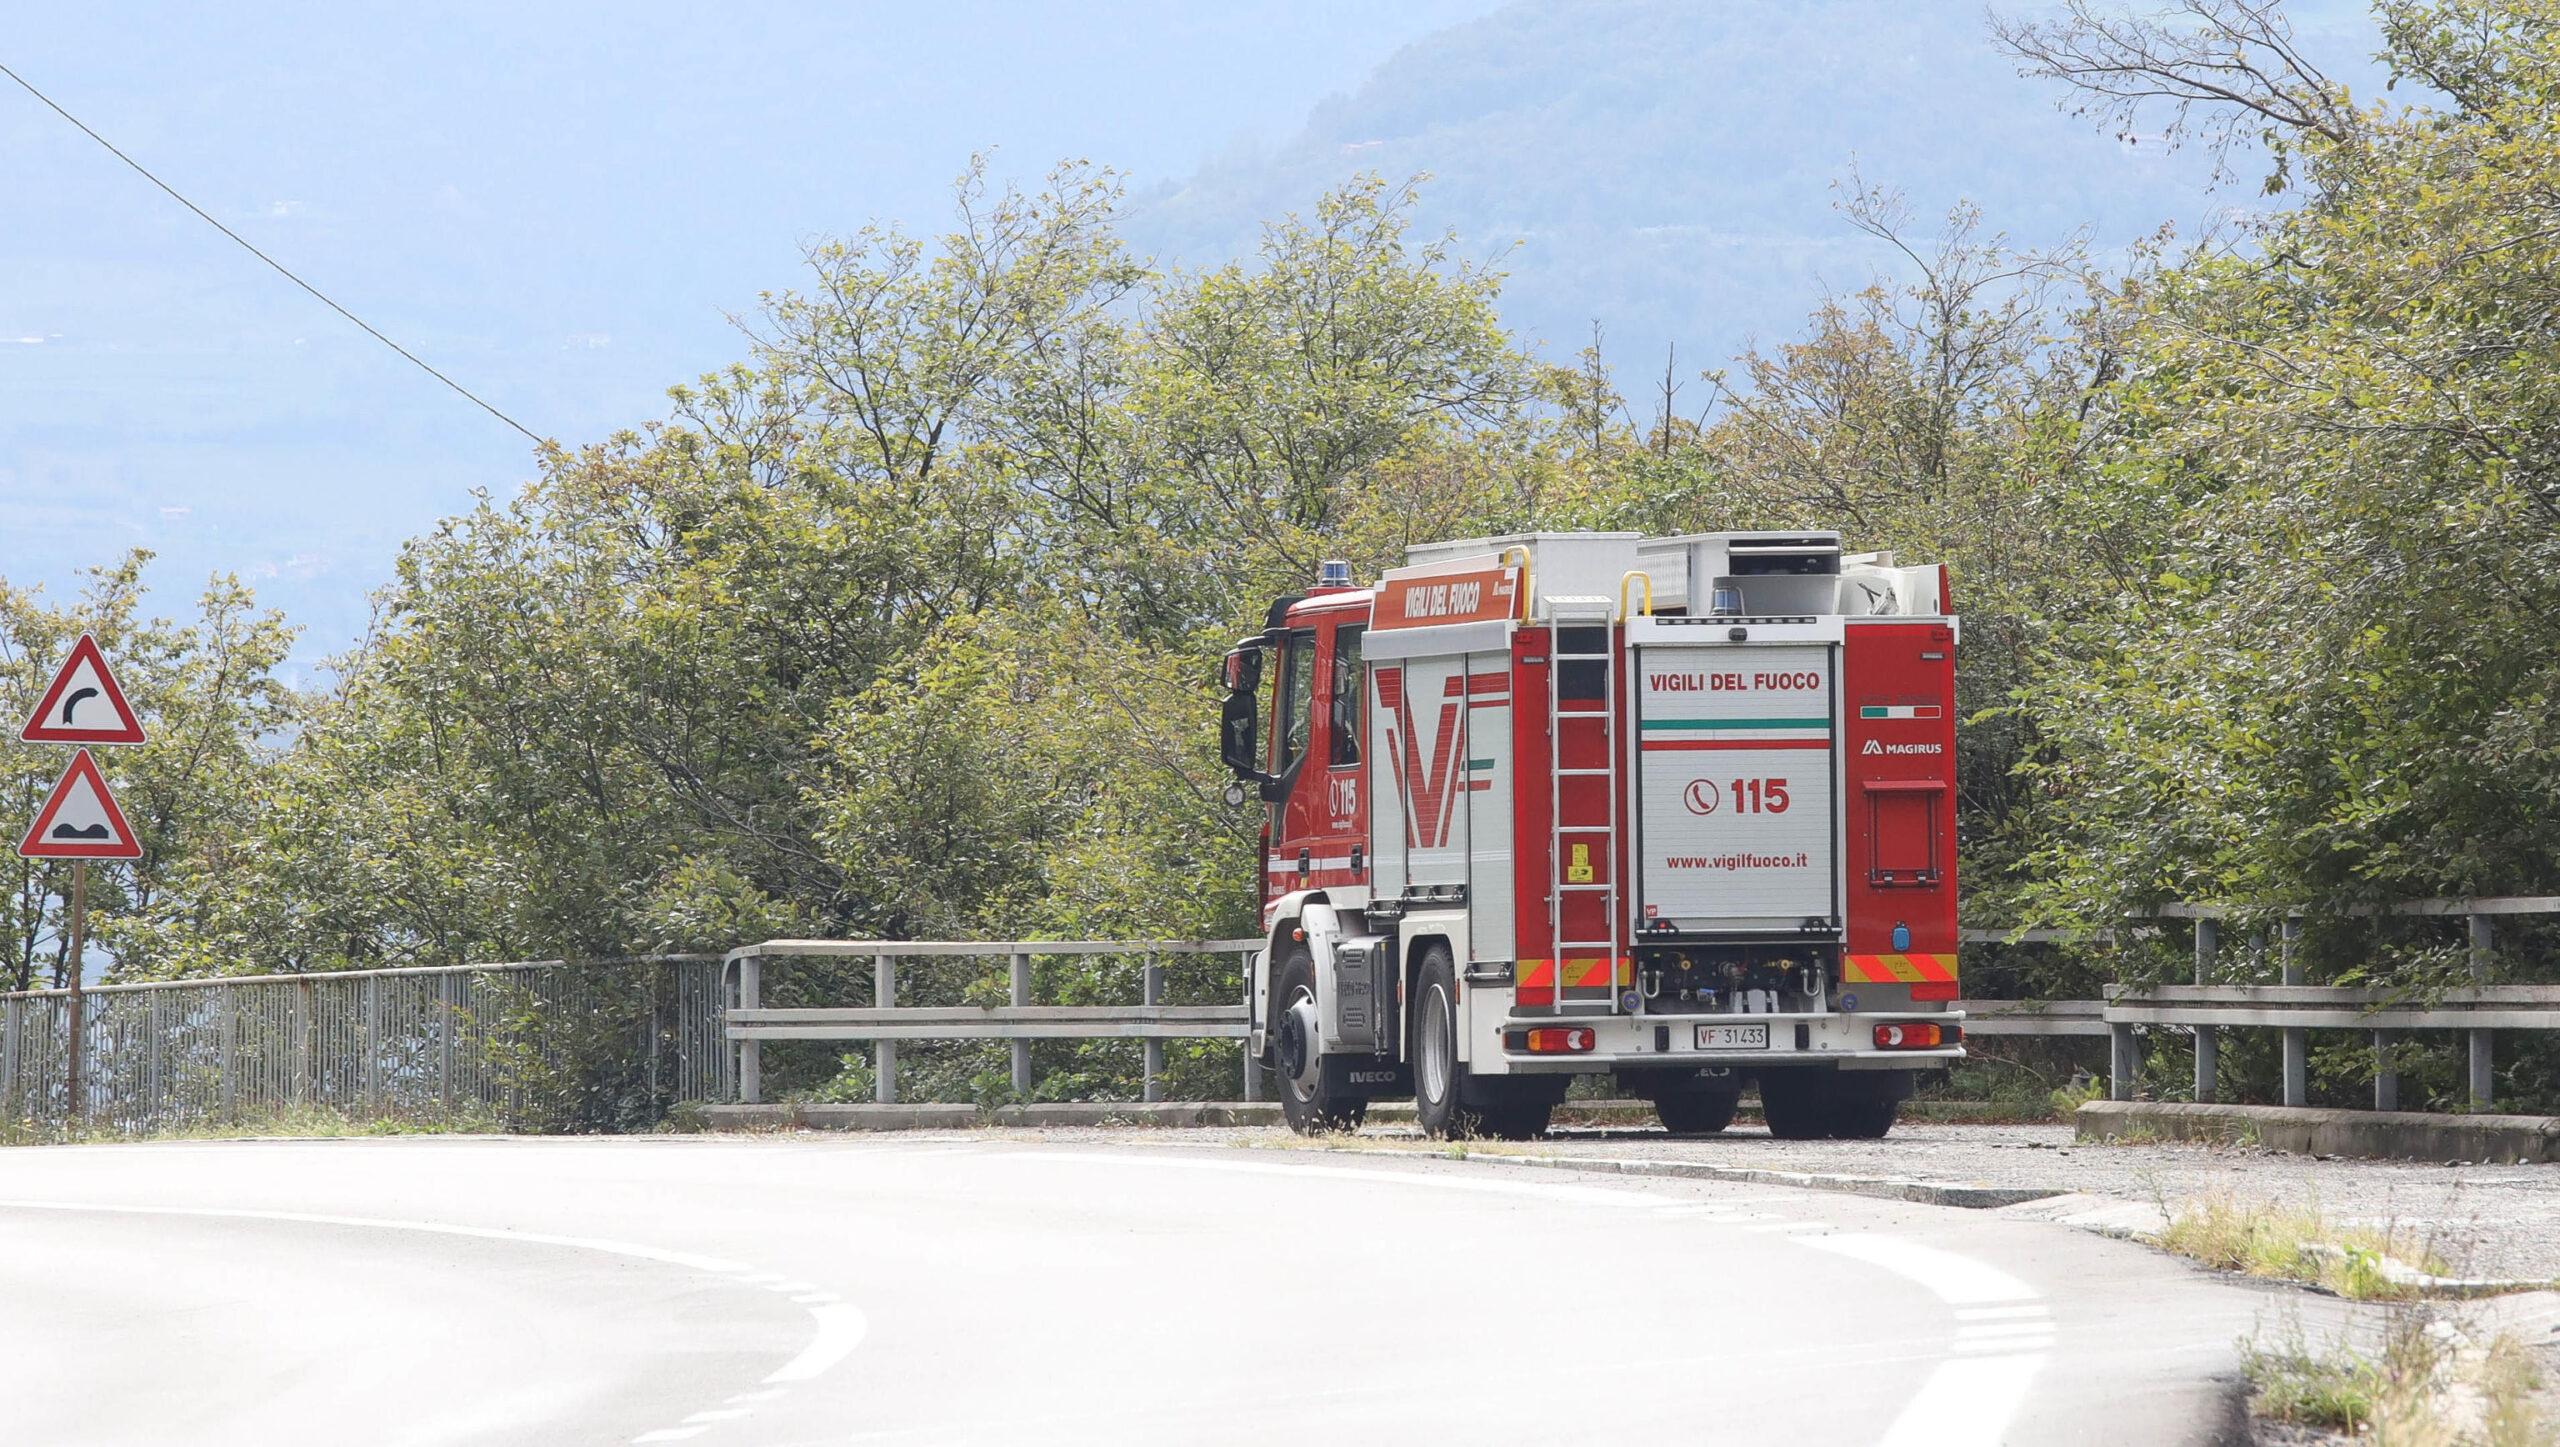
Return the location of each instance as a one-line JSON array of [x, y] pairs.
[[1438, 1094], [1862, 1119], [1696, 1112], [1305, 1101], [1795, 1103]]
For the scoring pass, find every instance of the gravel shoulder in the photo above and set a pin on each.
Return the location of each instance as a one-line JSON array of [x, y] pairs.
[[2485, 1220]]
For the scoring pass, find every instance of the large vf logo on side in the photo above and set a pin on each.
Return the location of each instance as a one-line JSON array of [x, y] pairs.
[[1702, 796]]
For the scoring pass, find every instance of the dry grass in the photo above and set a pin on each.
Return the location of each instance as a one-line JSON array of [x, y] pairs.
[[2296, 1243], [291, 1121], [2431, 1387]]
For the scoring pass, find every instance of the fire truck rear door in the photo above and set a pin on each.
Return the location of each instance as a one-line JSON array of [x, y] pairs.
[[1735, 786]]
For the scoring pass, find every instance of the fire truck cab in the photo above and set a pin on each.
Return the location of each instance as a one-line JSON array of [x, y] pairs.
[[1680, 810]]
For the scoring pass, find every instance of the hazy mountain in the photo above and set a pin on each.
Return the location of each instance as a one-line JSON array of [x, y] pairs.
[[1666, 167]]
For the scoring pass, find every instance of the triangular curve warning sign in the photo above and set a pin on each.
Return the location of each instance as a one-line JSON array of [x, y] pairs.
[[80, 819], [83, 706]]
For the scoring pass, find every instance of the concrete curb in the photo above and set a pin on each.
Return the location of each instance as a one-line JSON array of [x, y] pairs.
[[1166, 1114], [1169, 1114], [840, 1117], [970, 1117], [1893, 1188], [2362, 1134]]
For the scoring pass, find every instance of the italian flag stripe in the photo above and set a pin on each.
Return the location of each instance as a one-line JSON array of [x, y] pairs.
[[1823, 724], [1899, 710]]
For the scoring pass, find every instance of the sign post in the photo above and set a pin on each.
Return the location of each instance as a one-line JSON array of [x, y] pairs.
[[71, 1110], [80, 820]]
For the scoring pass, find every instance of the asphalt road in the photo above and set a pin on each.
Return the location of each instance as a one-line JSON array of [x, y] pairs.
[[990, 1290]]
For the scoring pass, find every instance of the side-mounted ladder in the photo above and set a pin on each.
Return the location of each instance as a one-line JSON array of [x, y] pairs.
[[1594, 871]]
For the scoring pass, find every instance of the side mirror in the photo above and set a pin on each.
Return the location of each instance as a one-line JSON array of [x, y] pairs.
[[1240, 734], [1242, 670]]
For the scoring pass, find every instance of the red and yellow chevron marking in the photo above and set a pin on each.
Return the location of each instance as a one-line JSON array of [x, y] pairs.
[[1596, 974], [1897, 969], [1534, 981]]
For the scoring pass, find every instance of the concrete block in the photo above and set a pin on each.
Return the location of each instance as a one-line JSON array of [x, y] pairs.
[[888, 1117], [840, 1117], [2404, 1135], [748, 1117], [969, 1117], [1175, 1114]]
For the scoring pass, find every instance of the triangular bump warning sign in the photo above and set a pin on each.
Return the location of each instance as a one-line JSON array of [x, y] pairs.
[[83, 706], [80, 819]]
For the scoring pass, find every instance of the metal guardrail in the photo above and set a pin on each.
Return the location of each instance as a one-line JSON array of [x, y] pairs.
[[2206, 1007], [438, 1039], [2203, 1008], [428, 1041], [1018, 1022], [2033, 1017]]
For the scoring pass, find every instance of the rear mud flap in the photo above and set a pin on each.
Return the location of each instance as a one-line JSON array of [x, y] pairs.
[[1366, 1076]]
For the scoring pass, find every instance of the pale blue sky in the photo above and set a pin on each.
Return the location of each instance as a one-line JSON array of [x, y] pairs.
[[555, 203], [559, 204]]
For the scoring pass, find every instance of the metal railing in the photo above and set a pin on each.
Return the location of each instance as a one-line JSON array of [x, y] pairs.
[[428, 1042], [2294, 1008], [1018, 1022], [500, 1040]]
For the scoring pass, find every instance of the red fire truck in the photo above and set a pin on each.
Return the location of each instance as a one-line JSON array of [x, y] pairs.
[[1676, 809]]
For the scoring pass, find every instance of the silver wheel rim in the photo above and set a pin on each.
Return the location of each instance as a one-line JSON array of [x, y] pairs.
[[1435, 1044], [1302, 1086]]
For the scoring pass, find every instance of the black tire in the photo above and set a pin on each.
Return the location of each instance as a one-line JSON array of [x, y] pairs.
[[1305, 1102], [1857, 1119], [1439, 1082], [1797, 1104], [1696, 1112]]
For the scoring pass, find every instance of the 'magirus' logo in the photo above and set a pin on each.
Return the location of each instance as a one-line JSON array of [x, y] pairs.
[[1877, 746], [1429, 787]]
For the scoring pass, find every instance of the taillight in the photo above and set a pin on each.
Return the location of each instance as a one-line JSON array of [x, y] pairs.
[[1918, 1035], [1551, 1040]]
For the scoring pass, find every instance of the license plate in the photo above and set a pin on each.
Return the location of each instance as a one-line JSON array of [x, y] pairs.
[[1733, 1037]]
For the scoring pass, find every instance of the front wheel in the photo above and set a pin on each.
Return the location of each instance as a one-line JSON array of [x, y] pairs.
[[1306, 1102]]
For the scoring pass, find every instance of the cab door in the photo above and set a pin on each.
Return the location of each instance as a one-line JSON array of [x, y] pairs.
[[1319, 835]]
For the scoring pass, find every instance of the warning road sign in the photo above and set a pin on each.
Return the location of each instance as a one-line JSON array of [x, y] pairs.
[[80, 819], [83, 706]]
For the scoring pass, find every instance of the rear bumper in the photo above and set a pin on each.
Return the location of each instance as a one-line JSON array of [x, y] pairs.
[[1840, 1041]]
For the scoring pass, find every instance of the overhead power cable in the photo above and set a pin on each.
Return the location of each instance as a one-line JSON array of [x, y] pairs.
[[280, 268]]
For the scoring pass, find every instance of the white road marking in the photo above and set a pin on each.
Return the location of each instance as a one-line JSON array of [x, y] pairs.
[[720, 1414], [687, 1259], [2026, 1346], [1967, 1399], [1490, 1186], [1972, 1395], [1985, 1330], [765, 1396], [1964, 1403], [841, 1328], [838, 1326], [1957, 1280], [1996, 1313]]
